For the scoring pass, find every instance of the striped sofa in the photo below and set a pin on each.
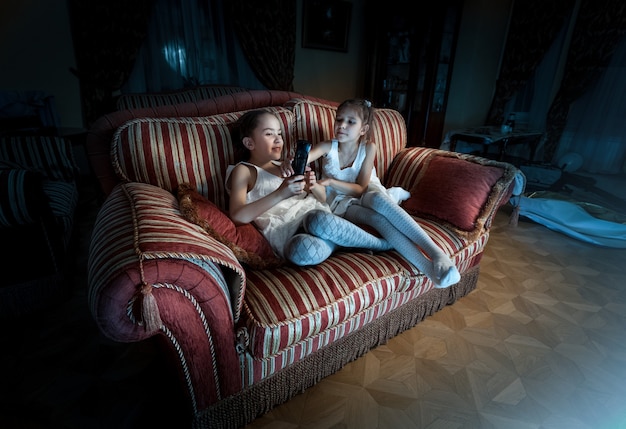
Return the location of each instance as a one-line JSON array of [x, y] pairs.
[[244, 339]]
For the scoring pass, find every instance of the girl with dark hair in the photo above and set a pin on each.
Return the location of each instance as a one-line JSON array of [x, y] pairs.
[[279, 206]]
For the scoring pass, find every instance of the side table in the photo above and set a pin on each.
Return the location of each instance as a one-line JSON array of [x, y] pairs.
[[491, 135]]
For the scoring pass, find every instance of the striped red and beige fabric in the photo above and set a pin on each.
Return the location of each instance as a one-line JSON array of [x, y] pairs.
[[100, 135], [166, 152], [63, 201], [22, 202], [466, 254], [315, 121], [488, 185], [256, 368], [52, 156], [389, 133], [287, 305], [407, 165], [211, 91], [140, 240], [150, 242], [285, 116]]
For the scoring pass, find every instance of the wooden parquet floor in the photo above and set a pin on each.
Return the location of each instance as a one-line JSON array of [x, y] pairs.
[[540, 344]]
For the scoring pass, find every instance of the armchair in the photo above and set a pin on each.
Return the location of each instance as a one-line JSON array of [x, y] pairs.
[[38, 199]]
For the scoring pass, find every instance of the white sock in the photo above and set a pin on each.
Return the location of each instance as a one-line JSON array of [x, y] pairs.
[[440, 269]]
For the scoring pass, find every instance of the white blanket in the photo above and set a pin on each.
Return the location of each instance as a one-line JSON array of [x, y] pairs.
[[572, 220]]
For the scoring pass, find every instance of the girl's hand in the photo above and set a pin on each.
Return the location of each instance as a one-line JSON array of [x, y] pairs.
[[293, 185], [310, 179], [286, 170]]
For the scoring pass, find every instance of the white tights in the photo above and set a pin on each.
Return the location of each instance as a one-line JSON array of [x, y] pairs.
[[405, 235], [325, 232]]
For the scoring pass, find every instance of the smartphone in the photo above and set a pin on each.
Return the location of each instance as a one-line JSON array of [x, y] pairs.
[[301, 156]]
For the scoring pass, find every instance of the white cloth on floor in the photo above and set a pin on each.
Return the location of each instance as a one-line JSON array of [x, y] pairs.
[[571, 219]]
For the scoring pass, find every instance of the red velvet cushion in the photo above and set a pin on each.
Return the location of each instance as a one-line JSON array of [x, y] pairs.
[[453, 190], [246, 242]]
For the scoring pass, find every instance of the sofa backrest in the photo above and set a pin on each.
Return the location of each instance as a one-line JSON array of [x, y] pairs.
[[315, 119], [166, 152], [169, 151], [202, 92], [100, 135]]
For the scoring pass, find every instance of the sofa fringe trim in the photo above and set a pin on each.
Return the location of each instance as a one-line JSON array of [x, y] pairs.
[[242, 408]]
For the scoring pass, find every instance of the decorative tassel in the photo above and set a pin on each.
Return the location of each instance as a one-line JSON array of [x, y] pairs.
[[514, 218], [149, 309]]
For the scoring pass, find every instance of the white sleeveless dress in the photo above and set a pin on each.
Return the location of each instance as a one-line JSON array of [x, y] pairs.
[[282, 221], [339, 202]]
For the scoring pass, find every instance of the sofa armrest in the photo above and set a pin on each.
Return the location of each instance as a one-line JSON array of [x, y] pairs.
[[460, 191], [141, 251]]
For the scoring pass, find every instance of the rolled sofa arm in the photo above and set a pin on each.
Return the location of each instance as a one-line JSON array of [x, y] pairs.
[[144, 257]]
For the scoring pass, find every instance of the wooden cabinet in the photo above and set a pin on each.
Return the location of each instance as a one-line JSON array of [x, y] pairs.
[[410, 63]]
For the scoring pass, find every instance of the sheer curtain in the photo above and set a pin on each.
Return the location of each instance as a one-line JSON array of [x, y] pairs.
[[531, 103], [595, 131], [189, 43], [596, 124], [533, 100]]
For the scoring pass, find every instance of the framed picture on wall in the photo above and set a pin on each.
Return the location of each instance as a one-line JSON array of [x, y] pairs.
[[326, 24]]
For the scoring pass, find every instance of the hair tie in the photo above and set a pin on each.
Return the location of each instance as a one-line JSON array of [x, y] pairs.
[[367, 103]]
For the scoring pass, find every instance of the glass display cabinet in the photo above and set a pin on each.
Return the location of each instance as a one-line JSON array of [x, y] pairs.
[[410, 64]]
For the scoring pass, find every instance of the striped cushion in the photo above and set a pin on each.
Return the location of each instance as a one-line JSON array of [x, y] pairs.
[[315, 122], [255, 369], [407, 165], [284, 306], [287, 307], [167, 152], [389, 133]]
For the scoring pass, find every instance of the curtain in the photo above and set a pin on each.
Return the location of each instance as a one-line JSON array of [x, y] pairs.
[[571, 93], [189, 43], [596, 123], [525, 47], [270, 53], [198, 42], [600, 26], [107, 35]]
